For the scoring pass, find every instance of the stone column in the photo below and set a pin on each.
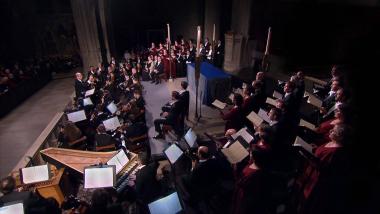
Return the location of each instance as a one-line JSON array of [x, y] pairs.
[[105, 22], [87, 32], [236, 54]]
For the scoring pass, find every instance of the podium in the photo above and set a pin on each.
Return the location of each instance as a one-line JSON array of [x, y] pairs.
[[54, 187]]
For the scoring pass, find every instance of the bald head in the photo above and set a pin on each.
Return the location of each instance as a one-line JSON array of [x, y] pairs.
[[203, 153]]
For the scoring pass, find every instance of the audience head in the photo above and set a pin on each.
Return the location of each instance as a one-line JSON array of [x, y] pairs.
[[79, 76], [280, 104], [8, 184], [137, 94], [175, 95], [203, 153], [101, 129], [289, 87], [335, 85], [300, 75], [266, 134], [343, 113], [100, 199], [184, 85], [340, 134], [274, 114], [342, 95], [238, 99], [336, 71], [260, 76], [260, 156]]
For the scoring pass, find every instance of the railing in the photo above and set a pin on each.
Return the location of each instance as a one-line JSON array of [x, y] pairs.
[[48, 138]]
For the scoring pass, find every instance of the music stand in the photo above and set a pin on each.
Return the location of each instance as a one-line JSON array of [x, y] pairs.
[[35, 174], [100, 176], [173, 153], [166, 205], [14, 207]]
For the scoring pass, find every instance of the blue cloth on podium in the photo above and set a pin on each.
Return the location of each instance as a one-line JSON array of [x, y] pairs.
[[213, 83]]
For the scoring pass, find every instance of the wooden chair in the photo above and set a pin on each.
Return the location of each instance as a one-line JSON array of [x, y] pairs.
[[80, 143], [110, 147]]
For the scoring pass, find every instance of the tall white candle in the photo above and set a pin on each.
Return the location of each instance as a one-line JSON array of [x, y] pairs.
[[168, 33], [268, 41], [198, 41], [213, 34]]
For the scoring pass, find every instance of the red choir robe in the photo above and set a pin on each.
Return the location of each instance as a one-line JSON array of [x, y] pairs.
[[235, 118], [321, 187], [250, 190]]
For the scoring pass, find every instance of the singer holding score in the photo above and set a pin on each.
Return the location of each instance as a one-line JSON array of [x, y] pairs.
[[235, 117]]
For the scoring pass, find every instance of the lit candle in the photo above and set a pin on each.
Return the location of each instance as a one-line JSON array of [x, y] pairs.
[[213, 34], [198, 41], [168, 33], [268, 41]]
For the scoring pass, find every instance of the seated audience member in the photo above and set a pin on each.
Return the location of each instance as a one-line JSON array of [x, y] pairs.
[[102, 138], [235, 117], [148, 187], [251, 193], [325, 178], [69, 135], [158, 70], [185, 99], [170, 115]]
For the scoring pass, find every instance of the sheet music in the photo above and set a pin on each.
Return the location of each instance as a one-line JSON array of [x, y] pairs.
[[235, 153], [35, 174], [307, 124], [17, 208], [219, 104], [167, 205], [112, 108], [87, 102], [277, 95], [173, 153], [264, 115], [190, 138], [99, 177], [313, 100], [112, 123], [300, 142], [119, 160], [271, 101], [76, 116], [244, 134], [89, 92], [254, 118]]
